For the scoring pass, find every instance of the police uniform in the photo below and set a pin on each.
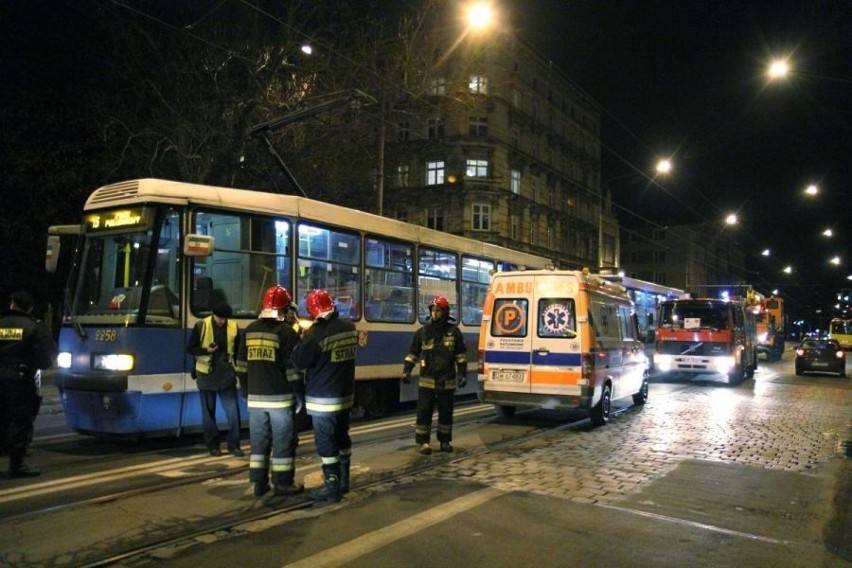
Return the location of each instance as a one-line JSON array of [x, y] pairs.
[[327, 354], [273, 387], [440, 350], [25, 347]]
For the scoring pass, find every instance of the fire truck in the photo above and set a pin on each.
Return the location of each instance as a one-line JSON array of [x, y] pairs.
[[708, 336], [770, 327]]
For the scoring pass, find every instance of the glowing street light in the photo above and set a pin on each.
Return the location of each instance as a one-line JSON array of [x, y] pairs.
[[664, 166], [778, 69], [765, 252], [788, 269], [827, 233], [812, 190], [731, 219], [479, 15], [835, 261]]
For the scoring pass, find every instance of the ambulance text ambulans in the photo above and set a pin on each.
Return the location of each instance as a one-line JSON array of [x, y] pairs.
[[560, 339]]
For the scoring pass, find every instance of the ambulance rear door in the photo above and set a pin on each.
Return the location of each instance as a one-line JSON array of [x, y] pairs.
[[508, 341], [556, 352]]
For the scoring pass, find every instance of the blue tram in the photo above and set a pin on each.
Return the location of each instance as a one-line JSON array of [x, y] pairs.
[[156, 256]]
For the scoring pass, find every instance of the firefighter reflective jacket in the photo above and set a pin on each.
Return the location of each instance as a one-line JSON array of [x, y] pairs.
[[440, 348]]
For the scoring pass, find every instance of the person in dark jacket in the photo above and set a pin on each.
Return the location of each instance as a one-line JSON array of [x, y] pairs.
[[326, 353], [274, 389], [213, 341], [25, 347], [439, 347]]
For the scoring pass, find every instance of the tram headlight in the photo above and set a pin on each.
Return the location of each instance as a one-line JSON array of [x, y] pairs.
[[113, 362], [63, 360]]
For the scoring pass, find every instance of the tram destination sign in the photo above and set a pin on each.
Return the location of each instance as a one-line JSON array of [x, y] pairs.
[[117, 220]]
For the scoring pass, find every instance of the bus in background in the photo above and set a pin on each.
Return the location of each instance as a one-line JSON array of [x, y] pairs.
[[770, 320], [646, 297], [160, 255], [840, 330]]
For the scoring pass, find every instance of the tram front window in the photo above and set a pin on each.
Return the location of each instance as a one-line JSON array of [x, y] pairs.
[[114, 281]]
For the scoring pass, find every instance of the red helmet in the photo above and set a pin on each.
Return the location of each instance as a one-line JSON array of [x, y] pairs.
[[440, 302], [319, 302], [276, 298]]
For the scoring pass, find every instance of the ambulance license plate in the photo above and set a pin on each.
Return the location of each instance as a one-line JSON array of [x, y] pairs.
[[509, 376]]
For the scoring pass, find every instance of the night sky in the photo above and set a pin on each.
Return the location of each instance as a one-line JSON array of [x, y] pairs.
[[687, 80], [684, 80]]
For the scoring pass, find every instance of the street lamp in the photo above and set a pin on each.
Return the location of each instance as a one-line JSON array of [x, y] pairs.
[[835, 261], [788, 269], [731, 219], [765, 252], [664, 166], [778, 69], [479, 15], [827, 233], [811, 190]]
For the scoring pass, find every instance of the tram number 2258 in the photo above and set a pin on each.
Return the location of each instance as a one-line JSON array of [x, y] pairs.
[[106, 335]]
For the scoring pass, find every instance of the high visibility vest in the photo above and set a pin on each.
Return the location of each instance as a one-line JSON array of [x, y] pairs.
[[203, 363]]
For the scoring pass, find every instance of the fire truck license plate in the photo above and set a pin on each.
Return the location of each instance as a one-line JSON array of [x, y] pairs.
[[508, 376]]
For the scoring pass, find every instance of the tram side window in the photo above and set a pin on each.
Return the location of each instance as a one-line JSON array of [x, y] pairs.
[[438, 275], [389, 278], [251, 254], [329, 259], [476, 274]]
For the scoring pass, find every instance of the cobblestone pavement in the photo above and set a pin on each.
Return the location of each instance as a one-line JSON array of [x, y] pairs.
[[761, 425]]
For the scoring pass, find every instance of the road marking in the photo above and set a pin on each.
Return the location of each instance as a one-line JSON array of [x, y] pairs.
[[694, 524], [365, 544]]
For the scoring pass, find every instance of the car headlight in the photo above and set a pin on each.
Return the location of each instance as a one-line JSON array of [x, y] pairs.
[[724, 364], [113, 362]]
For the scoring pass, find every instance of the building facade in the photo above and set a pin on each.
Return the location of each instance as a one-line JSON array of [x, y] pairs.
[[697, 258], [504, 149]]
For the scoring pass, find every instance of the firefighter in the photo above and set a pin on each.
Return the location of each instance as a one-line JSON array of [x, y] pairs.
[[25, 347], [326, 353], [275, 394], [440, 349]]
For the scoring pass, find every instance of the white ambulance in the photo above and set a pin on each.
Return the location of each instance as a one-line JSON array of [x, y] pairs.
[[560, 339]]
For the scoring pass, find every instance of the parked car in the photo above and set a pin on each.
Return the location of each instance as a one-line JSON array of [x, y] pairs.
[[820, 355]]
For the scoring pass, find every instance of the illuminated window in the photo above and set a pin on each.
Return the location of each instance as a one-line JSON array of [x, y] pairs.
[[477, 168], [478, 84], [435, 172], [402, 175], [438, 86], [515, 183]]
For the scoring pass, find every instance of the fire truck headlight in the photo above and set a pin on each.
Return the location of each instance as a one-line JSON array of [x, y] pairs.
[[63, 360], [724, 364], [663, 362], [114, 362]]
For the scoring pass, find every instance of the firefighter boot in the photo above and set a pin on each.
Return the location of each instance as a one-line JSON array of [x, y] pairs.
[[331, 488], [287, 486], [345, 461], [17, 467]]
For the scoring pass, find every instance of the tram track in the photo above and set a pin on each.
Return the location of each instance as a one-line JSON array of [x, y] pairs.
[[147, 552]]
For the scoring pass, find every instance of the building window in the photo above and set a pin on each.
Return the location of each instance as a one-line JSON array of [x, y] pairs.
[[478, 84], [477, 168], [435, 172], [401, 215], [402, 175], [659, 256], [438, 86], [659, 235], [514, 228], [551, 238], [477, 126], [516, 138], [515, 183], [534, 188], [436, 128], [435, 219], [533, 231], [403, 132], [660, 278], [481, 218]]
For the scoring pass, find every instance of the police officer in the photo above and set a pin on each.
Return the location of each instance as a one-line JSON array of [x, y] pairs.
[[274, 389], [25, 347], [213, 341], [327, 354], [439, 347]]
